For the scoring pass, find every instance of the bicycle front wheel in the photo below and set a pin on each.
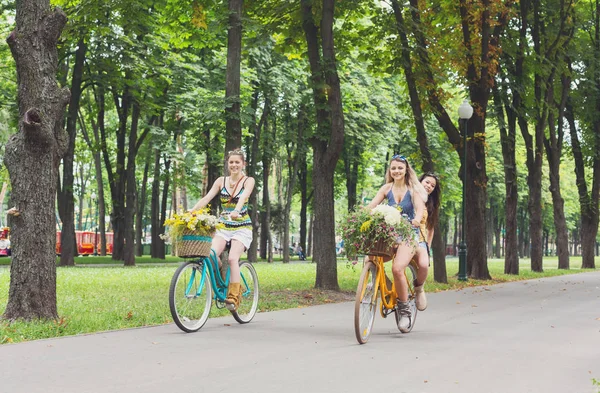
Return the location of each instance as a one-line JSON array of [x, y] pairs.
[[365, 305], [190, 296], [249, 293]]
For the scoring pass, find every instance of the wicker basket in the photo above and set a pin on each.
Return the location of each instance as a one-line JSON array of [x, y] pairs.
[[381, 249], [192, 245]]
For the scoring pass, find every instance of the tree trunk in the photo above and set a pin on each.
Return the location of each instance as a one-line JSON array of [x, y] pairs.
[[157, 249], [490, 225], [329, 141], [553, 146], [253, 160], [351, 156], [100, 140], [130, 189], [438, 248], [118, 178], [309, 242], [213, 160], [100, 240], [588, 200], [65, 195], [304, 200], [508, 143], [81, 198], [233, 126], [32, 157], [266, 245], [475, 227], [293, 161], [141, 207], [163, 209]]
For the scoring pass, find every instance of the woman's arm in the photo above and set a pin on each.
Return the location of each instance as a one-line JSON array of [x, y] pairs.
[[214, 190], [419, 209], [378, 197], [248, 188]]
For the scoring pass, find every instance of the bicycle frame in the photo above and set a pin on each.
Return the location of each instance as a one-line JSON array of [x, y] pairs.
[[388, 296], [210, 268]]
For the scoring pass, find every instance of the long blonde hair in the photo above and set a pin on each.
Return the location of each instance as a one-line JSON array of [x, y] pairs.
[[410, 178]]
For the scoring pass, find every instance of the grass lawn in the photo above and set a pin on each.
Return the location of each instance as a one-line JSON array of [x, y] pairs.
[[93, 298]]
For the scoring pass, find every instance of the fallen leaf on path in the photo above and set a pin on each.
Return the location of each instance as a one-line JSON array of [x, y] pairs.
[[473, 305]]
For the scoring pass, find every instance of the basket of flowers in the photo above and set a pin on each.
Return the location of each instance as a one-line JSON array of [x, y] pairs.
[[375, 232], [192, 232]]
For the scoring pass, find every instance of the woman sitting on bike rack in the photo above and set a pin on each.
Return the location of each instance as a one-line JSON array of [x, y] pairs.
[[431, 183], [234, 191], [403, 189]]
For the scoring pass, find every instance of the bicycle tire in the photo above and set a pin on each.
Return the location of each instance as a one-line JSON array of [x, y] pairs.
[[250, 293], [411, 275], [190, 296], [365, 305]]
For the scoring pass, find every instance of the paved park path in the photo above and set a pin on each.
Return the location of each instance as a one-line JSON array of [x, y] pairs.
[[529, 336]]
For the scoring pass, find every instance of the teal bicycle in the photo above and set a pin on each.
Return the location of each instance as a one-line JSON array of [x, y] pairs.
[[197, 282]]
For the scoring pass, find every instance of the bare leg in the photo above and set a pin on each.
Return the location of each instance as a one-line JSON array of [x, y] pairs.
[[423, 261], [236, 251], [403, 256], [218, 244]]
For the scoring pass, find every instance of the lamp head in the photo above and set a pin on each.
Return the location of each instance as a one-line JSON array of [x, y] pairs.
[[465, 110]]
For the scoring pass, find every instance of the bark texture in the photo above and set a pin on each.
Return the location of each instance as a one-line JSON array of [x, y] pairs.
[[66, 202], [328, 141], [233, 124], [32, 158]]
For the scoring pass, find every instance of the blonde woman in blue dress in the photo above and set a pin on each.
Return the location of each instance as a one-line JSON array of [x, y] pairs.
[[402, 188], [234, 191]]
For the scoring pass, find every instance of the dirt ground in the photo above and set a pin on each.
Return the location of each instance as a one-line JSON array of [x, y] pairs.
[[314, 297]]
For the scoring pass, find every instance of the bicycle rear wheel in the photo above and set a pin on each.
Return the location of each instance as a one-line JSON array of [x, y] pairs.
[[190, 296], [411, 275], [249, 293], [365, 305]]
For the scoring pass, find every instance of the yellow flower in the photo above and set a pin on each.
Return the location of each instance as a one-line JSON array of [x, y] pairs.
[[365, 226]]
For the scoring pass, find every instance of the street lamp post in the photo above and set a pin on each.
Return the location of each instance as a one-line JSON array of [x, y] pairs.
[[465, 111], [96, 235]]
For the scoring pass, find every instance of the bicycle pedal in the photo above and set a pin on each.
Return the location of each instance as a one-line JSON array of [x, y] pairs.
[[230, 307]]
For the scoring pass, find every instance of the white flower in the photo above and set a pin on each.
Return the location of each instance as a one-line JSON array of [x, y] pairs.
[[390, 214]]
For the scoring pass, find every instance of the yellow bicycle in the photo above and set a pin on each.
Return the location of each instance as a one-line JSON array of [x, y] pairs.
[[373, 284]]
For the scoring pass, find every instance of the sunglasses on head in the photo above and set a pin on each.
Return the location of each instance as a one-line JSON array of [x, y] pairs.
[[399, 157]]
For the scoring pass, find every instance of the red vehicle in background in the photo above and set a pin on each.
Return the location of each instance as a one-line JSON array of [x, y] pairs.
[[86, 242], [5, 242], [109, 242]]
